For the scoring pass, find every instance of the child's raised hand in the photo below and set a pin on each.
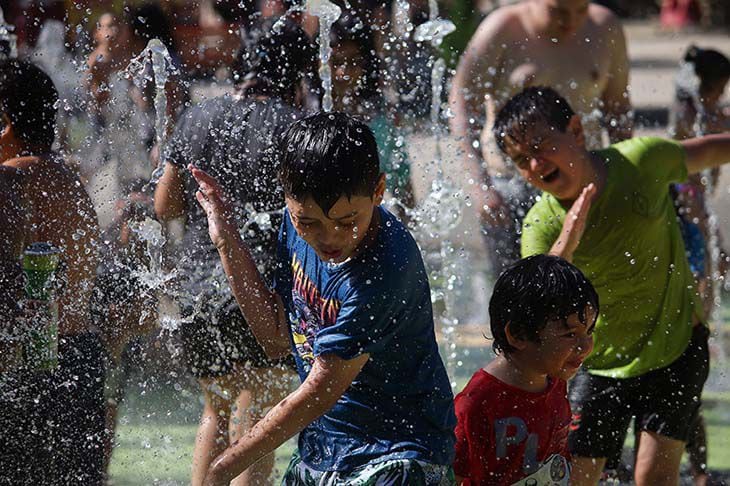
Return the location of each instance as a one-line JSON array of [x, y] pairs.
[[574, 224], [210, 196]]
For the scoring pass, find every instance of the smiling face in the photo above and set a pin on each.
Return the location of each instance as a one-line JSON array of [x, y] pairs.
[[335, 236], [551, 160], [562, 346]]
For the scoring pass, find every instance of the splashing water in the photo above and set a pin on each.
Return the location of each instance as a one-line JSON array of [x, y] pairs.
[[328, 13], [262, 219], [7, 37], [440, 212], [434, 31], [156, 55], [153, 277]]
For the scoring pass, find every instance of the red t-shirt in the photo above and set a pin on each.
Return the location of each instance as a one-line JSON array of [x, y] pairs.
[[505, 434]]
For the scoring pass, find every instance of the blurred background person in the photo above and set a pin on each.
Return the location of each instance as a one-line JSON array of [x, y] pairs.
[[231, 137]]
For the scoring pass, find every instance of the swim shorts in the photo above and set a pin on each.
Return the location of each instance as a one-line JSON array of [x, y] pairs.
[[664, 401], [217, 338], [393, 472]]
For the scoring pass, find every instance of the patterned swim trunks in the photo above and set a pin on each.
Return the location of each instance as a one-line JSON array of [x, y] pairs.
[[393, 472]]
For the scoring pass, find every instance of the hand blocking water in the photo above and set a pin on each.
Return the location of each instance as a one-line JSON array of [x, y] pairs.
[[221, 226]]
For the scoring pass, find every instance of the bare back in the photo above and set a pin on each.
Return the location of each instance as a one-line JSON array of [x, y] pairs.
[[62, 214]]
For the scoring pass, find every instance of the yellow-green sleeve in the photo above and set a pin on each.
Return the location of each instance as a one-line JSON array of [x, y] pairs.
[[540, 228], [663, 158]]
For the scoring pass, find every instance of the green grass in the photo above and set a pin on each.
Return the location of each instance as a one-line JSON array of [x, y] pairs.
[[159, 417]]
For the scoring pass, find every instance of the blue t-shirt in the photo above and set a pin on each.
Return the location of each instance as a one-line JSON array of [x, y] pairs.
[[400, 406]]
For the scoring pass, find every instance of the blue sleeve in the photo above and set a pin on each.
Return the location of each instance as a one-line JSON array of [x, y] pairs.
[[366, 323]]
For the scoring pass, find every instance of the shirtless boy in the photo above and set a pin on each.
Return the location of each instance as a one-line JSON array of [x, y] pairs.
[[61, 214], [573, 46]]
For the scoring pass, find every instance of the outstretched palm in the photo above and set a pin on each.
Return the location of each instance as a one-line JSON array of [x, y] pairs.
[[221, 226]]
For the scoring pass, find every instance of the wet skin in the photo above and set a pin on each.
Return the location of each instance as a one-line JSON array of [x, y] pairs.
[[559, 351], [337, 235]]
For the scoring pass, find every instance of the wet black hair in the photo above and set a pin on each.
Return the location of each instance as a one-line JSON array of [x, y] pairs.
[[349, 28], [533, 292], [274, 59], [28, 98], [710, 66], [327, 156], [148, 21], [538, 105]]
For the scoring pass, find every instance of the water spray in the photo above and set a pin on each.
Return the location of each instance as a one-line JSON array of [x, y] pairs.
[[328, 13], [8, 39]]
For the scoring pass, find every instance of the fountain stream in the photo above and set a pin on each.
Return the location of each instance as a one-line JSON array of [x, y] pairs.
[[328, 13], [156, 56]]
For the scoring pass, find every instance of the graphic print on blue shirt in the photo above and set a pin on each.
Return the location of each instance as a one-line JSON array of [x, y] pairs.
[[310, 313], [400, 406]]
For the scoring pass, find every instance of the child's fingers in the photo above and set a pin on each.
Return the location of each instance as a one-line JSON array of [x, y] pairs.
[[203, 178]]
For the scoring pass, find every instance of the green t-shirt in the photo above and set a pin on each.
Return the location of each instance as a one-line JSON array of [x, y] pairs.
[[633, 253]]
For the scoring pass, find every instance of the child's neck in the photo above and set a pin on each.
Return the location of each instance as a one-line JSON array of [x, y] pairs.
[[512, 372]]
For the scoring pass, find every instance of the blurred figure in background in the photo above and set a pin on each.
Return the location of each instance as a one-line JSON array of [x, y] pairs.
[[357, 89], [230, 137], [697, 110], [63, 215]]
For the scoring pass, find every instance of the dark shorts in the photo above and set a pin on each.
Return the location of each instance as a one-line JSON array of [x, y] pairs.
[[218, 338], [664, 401], [53, 423]]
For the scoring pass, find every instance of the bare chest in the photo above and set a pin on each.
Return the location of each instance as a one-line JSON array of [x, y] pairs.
[[578, 70]]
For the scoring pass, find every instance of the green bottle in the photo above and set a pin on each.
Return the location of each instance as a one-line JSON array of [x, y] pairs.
[[40, 347]]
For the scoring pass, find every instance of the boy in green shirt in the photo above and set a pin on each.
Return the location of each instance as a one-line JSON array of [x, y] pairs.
[[609, 212]]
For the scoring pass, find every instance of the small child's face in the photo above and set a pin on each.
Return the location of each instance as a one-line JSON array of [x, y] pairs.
[[347, 69], [334, 236], [548, 159], [106, 29], [563, 346]]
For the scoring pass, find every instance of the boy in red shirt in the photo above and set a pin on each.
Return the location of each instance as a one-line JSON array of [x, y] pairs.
[[513, 415]]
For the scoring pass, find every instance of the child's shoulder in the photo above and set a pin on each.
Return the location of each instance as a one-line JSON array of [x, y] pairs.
[[639, 150], [481, 386], [395, 255]]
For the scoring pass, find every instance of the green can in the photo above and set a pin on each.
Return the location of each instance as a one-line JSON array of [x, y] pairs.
[[40, 343]]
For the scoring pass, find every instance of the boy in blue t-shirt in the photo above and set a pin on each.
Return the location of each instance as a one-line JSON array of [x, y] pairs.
[[351, 299]]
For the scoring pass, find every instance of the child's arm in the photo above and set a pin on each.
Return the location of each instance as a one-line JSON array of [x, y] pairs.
[[169, 194], [327, 381], [574, 225], [262, 308], [706, 152]]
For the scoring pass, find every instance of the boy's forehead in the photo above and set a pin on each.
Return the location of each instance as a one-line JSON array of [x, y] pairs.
[[526, 141]]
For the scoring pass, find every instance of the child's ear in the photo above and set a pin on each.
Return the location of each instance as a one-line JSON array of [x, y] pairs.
[[379, 190], [575, 127], [512, 340]]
